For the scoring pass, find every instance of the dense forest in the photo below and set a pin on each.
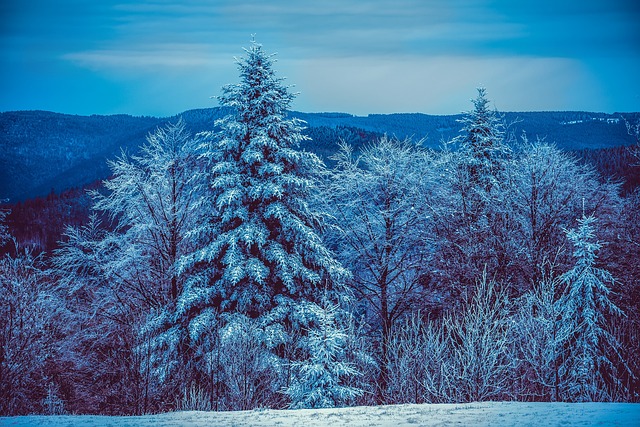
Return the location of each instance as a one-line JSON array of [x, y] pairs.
[[245, 263]]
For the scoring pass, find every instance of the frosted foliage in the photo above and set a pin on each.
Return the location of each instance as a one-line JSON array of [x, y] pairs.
[[202, 324], [249, 369], [482, 143], [262, 238], [420, 363], [380, 218], [472, 223], [126, 270], [634, 131], [463, 358], [52, 403], [153, 197], [379, 212], [27, 308], [539, 340], [584, 305], [319, 381], [479, 343], [550, 188]]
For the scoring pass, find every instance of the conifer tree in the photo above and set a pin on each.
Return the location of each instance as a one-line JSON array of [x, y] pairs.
[[262, 250], [472, 217], [318, 382], [482, 144], [585, 304]]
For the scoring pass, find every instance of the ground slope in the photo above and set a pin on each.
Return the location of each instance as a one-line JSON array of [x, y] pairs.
[[475, 414]]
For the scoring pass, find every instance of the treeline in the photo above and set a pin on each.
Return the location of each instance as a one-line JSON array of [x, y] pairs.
[[619, 164], [40, 223], [231, 270]]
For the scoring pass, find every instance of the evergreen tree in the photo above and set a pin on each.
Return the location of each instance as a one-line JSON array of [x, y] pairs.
[[584, 306], [318, 382], [471, 218], [261, 252], [482, 145], [264, 243]]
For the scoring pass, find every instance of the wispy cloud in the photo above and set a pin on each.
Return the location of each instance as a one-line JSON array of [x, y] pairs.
[[441, 84], [143, 58]]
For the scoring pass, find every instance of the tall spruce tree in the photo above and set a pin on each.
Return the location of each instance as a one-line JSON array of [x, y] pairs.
[[262, 252], [471, 217], [482, 144], [585, 304]]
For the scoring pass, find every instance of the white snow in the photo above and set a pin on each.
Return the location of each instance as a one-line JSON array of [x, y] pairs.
[[473, 414]]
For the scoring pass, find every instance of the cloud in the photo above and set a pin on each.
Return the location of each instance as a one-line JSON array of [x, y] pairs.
[[146, 57], [310, 27], [439, 85]]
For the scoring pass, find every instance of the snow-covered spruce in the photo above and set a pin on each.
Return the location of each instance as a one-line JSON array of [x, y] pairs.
[[482, 145], [262, 232], [589, 347], [260, 253], [318, 381], [471, 220]]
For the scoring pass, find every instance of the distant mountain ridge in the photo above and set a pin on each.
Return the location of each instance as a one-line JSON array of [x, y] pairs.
[[41, 150]]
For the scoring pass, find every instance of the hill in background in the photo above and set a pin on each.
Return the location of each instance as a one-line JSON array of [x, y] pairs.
[[43, 151]]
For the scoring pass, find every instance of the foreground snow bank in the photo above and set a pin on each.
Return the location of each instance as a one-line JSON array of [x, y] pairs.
[[474, 414]]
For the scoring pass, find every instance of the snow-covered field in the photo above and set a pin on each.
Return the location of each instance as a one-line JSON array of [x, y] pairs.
[[474, 414]]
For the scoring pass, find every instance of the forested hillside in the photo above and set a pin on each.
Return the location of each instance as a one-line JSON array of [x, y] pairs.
[[41, 151]]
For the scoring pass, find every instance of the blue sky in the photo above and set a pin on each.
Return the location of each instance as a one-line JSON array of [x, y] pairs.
[[160, 57]]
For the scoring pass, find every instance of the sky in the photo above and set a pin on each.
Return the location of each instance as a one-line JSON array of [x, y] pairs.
[[162, 57]]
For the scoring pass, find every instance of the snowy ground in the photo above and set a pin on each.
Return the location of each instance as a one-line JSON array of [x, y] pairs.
[[475, 414]]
